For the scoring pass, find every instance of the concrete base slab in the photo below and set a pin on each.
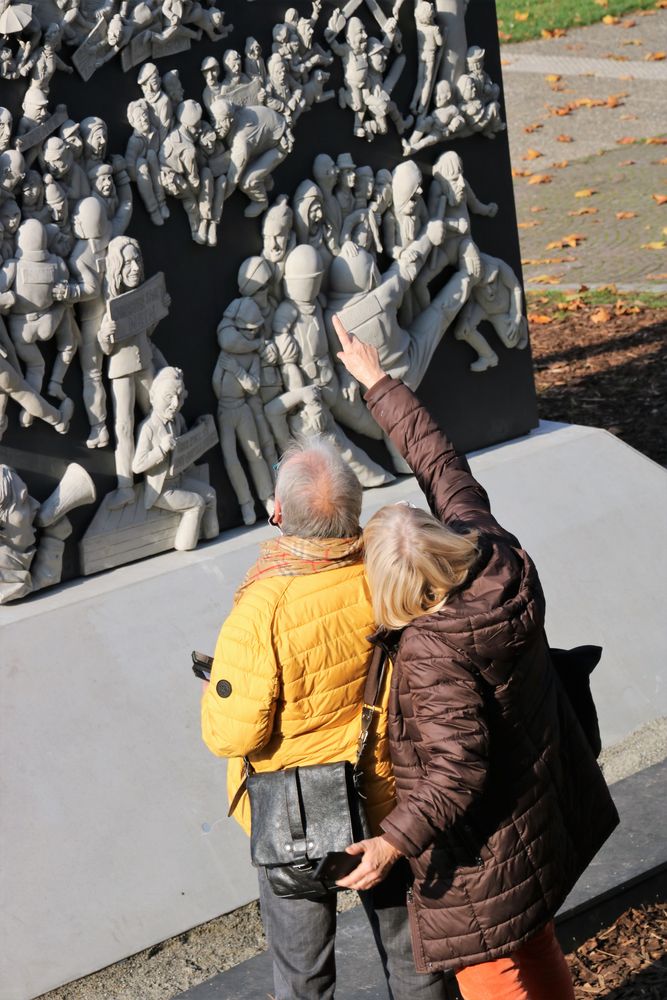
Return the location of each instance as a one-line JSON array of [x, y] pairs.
[[113, 827]]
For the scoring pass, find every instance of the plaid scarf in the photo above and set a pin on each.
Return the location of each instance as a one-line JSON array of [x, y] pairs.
[[290, 555]]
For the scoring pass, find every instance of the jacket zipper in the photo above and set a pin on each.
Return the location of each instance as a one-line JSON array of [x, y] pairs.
[[417, 947]]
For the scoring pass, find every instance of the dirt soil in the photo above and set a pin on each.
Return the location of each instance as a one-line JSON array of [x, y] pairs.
[[626, 961], [603, 366]]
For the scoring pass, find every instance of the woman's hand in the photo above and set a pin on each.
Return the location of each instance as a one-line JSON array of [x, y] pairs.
[[361, 360], [378, 858]]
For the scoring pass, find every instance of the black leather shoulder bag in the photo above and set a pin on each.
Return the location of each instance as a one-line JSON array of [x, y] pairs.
[[300, 814]]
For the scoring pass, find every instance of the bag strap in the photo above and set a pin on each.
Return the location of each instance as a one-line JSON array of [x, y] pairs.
[[297, 829], [372, 691]]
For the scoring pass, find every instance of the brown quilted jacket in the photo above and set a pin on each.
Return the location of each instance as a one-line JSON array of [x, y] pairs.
[[501, 804]]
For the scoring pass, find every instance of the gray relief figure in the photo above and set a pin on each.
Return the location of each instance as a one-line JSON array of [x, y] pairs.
[[430, 44], [278, 239], [14, 386], [133, 308], [184, 179], [87, 264], [478, 96], [259, 139], [497, 298], [27, 563], [444, 121], [304, 273], [142, 159], [161, 455], [40, 282], [235, 379]]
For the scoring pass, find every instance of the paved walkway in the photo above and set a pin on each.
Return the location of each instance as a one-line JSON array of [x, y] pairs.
[[587, 122]]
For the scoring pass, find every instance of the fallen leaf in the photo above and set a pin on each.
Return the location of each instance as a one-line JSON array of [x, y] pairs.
[[627, 140], [663, 161], [547, 279], [626, 215], [612, 289], [660, 199], [614, 100], [532, 154], [528, 225], [541, 319], [521, 173], [585, 193], [627, 163], [632, 41], [626, 76], [655, 245], [584, 211], [655, 56], [534, 127], [656, 141], [611, 19], [573, 240], [561, 164], [504, 36], [505, 62], [616, 57], [575, 304], [521, 15], [553, 77], [538, 208], [629, 23], [532, 261], [629, 118], [600, 315], [661, 4], [553, 32], [657, 277], [541, 179], [601, 3], [564, 138], [622, 308]]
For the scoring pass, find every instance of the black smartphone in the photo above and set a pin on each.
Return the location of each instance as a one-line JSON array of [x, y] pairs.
[[335, 865], [201, 665]]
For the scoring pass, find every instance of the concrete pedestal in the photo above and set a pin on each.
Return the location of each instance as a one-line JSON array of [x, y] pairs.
[[113, 830]]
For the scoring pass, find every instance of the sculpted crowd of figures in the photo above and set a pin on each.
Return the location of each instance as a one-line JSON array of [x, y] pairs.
[[365, 244]]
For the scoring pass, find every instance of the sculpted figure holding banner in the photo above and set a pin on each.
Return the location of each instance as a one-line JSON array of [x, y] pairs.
[[165, 486], [133, 309]]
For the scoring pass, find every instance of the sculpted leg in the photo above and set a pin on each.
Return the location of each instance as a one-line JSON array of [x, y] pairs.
[[94, 396], [191, 507]]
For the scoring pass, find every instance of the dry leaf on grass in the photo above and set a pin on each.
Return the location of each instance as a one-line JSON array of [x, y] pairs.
[[533, 128], [547, 279], [656, 141], [655, 245], [553, 77], [626, 215], [660, 199], [540, 319], [521, 173], [538, 208], [657, 277], [629, 23], [561, 164], [601, 315], [655, 56], [528, 225], [564, 138], [535, 261], [627, 163], [601, 3], [616, 57], [611, 19], [532, 154], [584, 211], [627, 140], [541, 179], [553, 32], [521, 15], [585, 193]]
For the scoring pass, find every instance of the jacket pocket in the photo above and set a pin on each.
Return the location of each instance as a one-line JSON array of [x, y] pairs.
[[421, 963]]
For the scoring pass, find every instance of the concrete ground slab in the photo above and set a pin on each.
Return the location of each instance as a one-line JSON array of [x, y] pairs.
[[637, 848], [118, 839]]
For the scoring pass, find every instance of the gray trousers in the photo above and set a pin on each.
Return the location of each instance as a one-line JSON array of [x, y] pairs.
[[301, 937]]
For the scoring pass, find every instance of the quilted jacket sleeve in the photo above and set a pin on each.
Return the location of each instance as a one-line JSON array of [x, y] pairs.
[[238, 706], [444, 475], [451, 749]]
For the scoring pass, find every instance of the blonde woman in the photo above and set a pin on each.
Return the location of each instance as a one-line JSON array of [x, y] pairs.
[[500, 802]]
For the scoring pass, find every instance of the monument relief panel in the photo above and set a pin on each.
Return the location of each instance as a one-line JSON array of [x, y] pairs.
[[328, 158]]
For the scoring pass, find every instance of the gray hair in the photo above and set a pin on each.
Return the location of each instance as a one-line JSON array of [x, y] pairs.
[[319, 493]]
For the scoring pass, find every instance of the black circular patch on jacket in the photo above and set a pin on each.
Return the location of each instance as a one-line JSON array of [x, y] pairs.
[[224, 689]]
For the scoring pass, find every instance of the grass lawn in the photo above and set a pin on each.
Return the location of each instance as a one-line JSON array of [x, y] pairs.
[[545, 15]]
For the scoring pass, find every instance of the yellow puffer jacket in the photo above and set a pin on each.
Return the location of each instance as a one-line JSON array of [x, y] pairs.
[[288, 680]]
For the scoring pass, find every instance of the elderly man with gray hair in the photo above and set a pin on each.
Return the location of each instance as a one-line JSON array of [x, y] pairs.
[[286, 689]]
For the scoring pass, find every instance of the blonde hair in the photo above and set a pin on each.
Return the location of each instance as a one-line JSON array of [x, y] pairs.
[[413, 563]]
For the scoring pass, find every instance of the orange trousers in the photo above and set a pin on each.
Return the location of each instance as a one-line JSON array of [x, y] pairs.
[[536, 971]]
